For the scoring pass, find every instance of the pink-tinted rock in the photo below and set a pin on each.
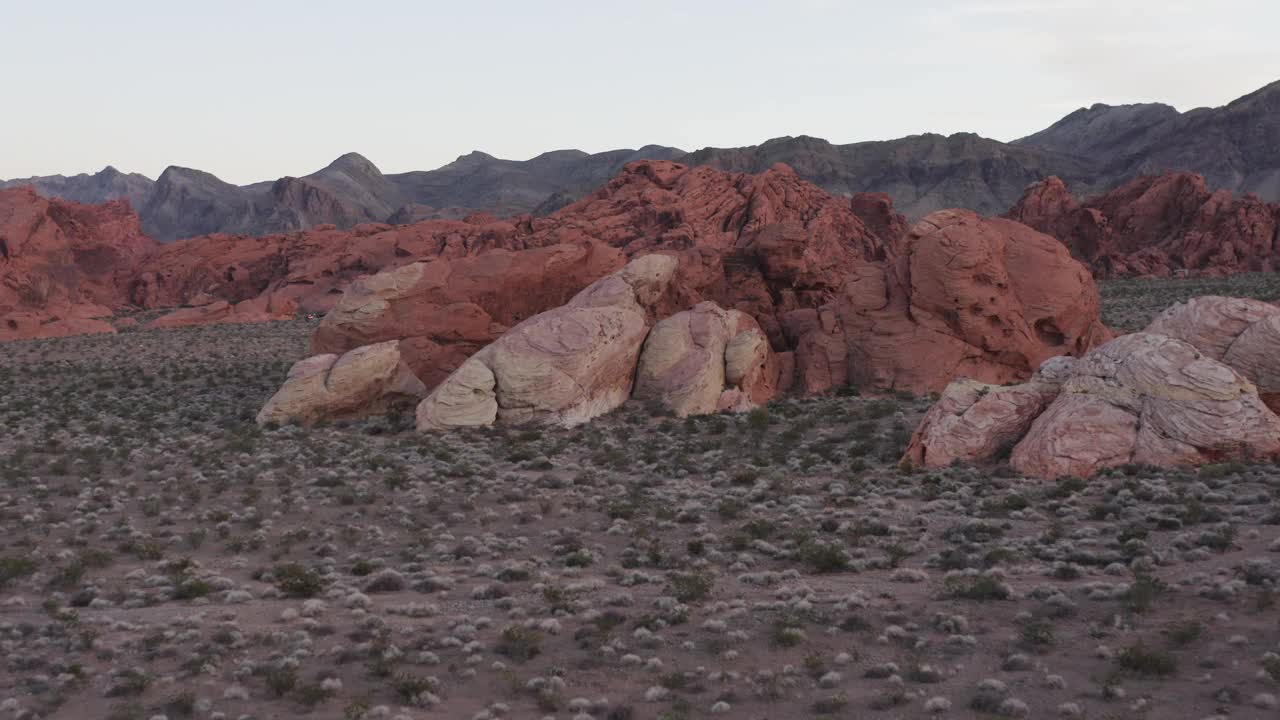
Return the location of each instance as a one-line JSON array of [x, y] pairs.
[[1149, 399], [447, 309], [563, 366], [1241, 332], [976, 422], [364, 381], [706, 359], [1211, 323]]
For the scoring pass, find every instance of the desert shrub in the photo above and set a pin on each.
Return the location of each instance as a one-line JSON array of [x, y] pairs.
[[297, 581], [1145, 661], [692, 587], [519, 643]]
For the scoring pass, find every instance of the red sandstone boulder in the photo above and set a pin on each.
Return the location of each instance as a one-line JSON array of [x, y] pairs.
[[852, 304], [987, 299], [1157, 226]]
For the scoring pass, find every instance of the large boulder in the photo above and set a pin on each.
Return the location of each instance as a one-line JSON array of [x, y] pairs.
[[1141, 398], [563, 366], [1241, 332], [365, 381], [446, 309], [976, 422], [706, 359], [1148, 399], [983, 298]]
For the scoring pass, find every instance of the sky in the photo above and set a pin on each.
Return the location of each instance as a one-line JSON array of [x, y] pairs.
[[256, 90]]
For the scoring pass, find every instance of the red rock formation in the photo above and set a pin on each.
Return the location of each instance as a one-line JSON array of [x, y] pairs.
[[267, 308], [312, 267], [63, 264], [445, 310], [840, 287], [1157, 226]]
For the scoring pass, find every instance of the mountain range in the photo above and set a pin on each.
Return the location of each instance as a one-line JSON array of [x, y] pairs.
[[1236, 147]]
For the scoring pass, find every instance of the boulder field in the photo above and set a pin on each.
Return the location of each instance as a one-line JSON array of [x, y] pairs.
[[1192, 388]]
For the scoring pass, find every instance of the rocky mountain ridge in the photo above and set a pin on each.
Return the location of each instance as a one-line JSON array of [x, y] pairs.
[[1096, 149]]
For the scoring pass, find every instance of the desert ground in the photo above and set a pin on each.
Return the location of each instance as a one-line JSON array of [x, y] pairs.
[[164, 557]]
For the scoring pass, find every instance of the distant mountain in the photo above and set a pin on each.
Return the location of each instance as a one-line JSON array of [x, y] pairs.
[[1095, 149], [185, 202], [106, 184], [922, 173], [1235, 147]]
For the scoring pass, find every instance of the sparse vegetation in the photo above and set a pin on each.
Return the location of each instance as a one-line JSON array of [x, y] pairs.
[[169, 554]]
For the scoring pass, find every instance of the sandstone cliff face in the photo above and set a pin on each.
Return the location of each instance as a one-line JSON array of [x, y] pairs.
[[1157, 226]]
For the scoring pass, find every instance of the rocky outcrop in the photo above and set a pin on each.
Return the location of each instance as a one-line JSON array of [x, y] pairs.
[[63, 264], [1240, 332], [220, 312], [839, 287], [369, 379], [447, 309], [56, 322], [707, 359], [1157, 226], [313, 268], [1141, 398], [964, 296], [1152, 400], [563, 366], [976, 422]]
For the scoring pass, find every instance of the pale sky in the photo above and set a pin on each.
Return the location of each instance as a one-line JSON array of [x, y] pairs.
[[253, 90]]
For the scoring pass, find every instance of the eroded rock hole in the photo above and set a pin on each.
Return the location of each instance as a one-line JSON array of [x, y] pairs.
[[1048, 332]]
